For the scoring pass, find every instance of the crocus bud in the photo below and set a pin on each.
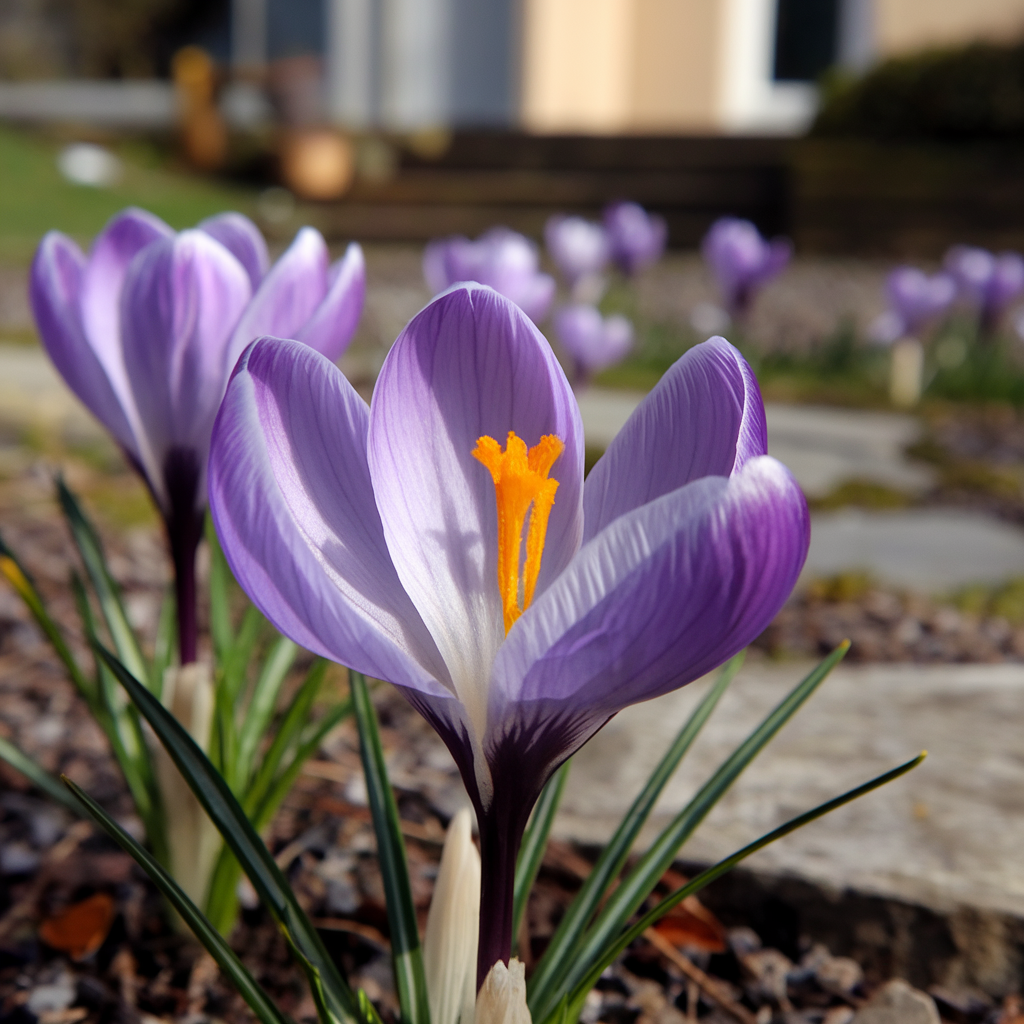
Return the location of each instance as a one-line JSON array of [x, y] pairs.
[[192, 839], [449, 947], [502, 998]]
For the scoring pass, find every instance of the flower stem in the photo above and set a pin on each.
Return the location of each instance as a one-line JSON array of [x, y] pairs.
[[498, 852], [184, 531]]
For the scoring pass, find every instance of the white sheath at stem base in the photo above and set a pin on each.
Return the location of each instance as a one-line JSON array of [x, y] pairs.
[[502, 998], [193, 841], [906, 374], [449, 946]]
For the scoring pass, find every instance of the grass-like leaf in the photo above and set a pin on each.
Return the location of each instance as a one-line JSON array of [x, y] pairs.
[[221, 632], [260, 712], [257, 999], [13, 571], [561, 949], [410, 978], [39, 777], [535, 841], [640, 882], [164, 646], [108, 594], [607, 954], [231, 821]]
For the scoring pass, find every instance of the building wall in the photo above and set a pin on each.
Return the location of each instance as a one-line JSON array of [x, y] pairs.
[[902, 25]]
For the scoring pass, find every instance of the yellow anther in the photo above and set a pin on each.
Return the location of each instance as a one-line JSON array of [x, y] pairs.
[[520, 483]]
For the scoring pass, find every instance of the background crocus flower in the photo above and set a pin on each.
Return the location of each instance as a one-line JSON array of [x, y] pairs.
[[579, 248], [742, 261], [636, 238], [501, 258], [915, 300], [392, 539], [985, 281], [593, 341], [147, 329]]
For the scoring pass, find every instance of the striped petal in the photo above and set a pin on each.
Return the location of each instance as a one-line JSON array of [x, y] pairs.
[[704, 418], [333, 325]]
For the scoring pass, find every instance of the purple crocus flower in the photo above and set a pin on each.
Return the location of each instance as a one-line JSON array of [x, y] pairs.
[[915, 299], [146, 330], [391, 539], [742, 261], [501, 258], [637, 238], [594, 342], [579, 247], [987, 282]]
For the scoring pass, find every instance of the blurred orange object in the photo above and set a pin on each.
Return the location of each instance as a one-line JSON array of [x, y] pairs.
[[317, 163], [690, 925], [79, 930], [203, 132]]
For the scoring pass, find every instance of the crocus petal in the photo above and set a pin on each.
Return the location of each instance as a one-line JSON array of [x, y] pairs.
[[55, 285], [435, 265], [332, 326], [126, 235], [243, 240], [291, 499], [470, 364], [705, 417], [181, 299], [659, 598], [289, 294]]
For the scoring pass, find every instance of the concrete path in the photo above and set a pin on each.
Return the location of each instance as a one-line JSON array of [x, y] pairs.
[[950, 833], [823, 447]]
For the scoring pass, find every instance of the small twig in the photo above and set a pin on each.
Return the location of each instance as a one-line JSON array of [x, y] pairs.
[[707, 984]]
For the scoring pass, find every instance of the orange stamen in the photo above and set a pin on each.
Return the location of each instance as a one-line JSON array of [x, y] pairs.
[[520, 482]]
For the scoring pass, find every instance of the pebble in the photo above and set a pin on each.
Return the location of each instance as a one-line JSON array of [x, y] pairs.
[[898, 1003], [57, 995]]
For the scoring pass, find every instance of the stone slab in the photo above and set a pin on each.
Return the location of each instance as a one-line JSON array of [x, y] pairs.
[[924, 549], [822, 447], [949, 834]]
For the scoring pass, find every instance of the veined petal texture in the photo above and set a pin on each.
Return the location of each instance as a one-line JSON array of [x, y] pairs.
[[291, 498], [470, 364], [705, 417], [661, 596], [181, 299], [243, 240], [289, 294], [113, 250], [55, 283], [333, 323]]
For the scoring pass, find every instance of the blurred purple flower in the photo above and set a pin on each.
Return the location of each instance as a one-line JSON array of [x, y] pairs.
[[987, 282], [391, 538], [147, 329], [637, 238], [501, 258], [594, 342], [579, 247], [742, 261], [915, 299]]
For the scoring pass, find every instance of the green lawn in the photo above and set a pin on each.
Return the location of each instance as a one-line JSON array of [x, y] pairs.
[[35, 198]]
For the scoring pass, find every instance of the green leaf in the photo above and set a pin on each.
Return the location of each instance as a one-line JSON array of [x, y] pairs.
[[254, 995], [120, 721], [227, 815], [640, 882], [13, 571], [39, 777], [164, 647], [108, 593], [288, 732], [221, 632], [562, 948], [410, 978], [236, 658], [260, 712], [535, 841], [611, 950]]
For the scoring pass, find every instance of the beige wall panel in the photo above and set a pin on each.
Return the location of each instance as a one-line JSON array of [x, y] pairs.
[[675, 73], [902, 25], [577, 65]]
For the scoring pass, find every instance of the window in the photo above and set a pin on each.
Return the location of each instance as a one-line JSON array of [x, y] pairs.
[[806, 39]]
